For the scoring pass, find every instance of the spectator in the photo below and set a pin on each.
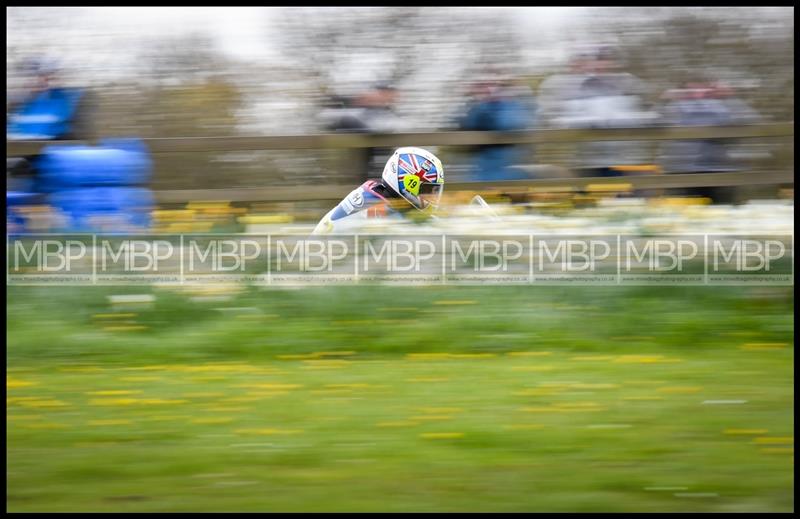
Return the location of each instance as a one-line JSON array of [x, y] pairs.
[[370, 112], [703, 104], [498, 105], [597, 94], [45, 110], [41, 110]]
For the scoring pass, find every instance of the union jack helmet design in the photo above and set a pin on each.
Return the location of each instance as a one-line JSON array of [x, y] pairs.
[[415, 174]]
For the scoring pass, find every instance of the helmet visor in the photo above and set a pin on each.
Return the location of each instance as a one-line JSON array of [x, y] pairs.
[[430, 194]]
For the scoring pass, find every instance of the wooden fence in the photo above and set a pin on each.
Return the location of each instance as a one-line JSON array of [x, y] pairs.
[[783, 132]]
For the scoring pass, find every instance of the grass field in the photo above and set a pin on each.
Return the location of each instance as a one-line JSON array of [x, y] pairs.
[[400, 399]]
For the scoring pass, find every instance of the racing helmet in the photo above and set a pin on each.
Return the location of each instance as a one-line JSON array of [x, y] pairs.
[[416, 175]]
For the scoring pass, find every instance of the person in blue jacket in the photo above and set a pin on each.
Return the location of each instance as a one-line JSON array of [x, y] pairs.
[[497, 106], [45, 111], [42, 110]]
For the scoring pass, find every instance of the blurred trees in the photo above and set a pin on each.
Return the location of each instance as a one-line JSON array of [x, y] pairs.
[[187, 94], [750, 49], [428, 53], [179, 84]]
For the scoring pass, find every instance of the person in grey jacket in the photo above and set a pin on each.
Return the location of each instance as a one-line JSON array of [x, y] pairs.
[[597, 94], [704, 104]]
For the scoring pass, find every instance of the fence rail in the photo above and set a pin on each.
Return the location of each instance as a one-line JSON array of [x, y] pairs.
[[781, 131], [339, 140]]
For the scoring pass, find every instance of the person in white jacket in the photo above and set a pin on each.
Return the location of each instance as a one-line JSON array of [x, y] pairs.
[[412, 179]]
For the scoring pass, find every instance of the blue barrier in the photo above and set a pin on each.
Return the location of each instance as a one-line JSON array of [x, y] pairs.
[[132, 205], [113, 163], [87, 183]]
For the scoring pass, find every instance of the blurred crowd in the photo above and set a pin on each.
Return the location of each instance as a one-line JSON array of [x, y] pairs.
[[593, 91]]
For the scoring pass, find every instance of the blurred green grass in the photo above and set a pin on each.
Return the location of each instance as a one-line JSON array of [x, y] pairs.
[[401, 399]]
